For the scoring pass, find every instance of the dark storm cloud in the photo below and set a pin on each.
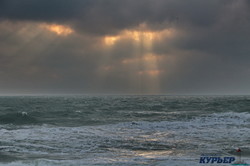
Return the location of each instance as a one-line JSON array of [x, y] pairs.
[[218, 58], [209, 53], [41, 10], [110, 16], [42, 60]]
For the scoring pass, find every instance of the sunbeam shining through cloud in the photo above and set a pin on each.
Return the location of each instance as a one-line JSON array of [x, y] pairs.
[[143, 61], [125, 47], [124, 82]]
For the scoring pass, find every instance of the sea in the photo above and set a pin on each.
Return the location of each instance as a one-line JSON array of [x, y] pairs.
[[122, 130]]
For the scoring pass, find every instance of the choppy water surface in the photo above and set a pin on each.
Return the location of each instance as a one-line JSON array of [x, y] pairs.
[[121, 130]]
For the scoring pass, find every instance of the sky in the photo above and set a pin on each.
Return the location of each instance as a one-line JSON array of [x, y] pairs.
[[124, 47]]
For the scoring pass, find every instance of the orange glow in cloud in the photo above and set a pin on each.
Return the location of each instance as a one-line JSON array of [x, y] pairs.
[[152, 58], [148, 58], [144, 36], [150, 72], [107, 68], [144, 64], [110, 40], [60, 30], [139, 35]]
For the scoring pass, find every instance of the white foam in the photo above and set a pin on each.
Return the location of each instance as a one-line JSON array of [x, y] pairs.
[[121, 143]]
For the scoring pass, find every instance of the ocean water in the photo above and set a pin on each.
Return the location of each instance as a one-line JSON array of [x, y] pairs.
[[122, 130]]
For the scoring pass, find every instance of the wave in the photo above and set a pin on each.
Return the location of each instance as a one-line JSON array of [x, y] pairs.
[[18, 118]]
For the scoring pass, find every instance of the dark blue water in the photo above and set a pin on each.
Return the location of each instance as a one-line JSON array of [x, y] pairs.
[[121, 130]]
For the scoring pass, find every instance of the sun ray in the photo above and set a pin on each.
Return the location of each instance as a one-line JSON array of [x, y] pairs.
[[143, 66]]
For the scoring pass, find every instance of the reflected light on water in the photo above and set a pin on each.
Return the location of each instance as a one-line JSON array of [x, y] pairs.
[[154, 154]]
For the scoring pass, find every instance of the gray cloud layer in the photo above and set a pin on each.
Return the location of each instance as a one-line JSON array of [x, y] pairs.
[[210, 54], [100, 16]]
